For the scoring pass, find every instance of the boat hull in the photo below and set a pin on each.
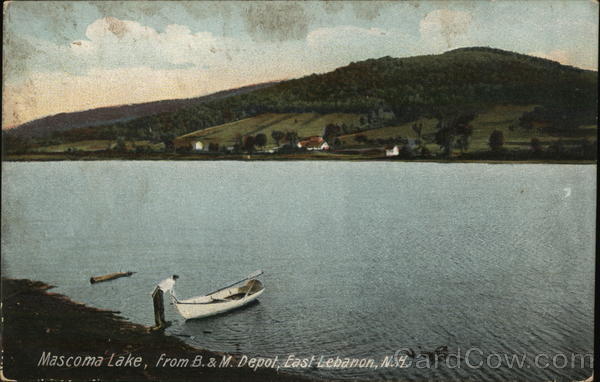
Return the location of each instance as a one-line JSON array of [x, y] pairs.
[[217, 303]]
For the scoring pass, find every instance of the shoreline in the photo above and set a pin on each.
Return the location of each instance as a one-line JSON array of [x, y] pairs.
[[60, 157], [40, 327]]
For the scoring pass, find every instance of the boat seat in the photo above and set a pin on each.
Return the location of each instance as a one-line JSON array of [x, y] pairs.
[[237, 296], [252, 285]]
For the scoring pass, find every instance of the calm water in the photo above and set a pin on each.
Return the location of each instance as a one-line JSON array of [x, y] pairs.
[[360, 259]]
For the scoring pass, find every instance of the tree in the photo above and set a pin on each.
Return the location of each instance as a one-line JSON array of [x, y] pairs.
[[331, 131], [444, 137], [407, 151], [496, 140], [167, 139], [120, 146], [453, 131], [464, 131], [292, 138], [418, 129], [536, 145], [249, 143], [260, 140], [277, 136], [239, 140], [557, 117], [15, 144]]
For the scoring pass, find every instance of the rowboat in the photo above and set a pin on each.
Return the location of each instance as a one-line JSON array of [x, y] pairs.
[[222, 300]]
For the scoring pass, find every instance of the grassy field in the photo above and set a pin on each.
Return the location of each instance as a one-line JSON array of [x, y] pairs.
[[404, 131], [304, 124], [502, 117], [94, 145], [97, 145]]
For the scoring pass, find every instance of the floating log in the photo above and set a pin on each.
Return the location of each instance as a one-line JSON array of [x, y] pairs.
[[111, 276]]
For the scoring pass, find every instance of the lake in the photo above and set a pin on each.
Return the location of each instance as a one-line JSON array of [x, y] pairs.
[[360, 258]]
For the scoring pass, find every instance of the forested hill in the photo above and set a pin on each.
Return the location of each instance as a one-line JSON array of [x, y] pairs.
[[122, 113], [435, 83], [465, 80], [468, 78]]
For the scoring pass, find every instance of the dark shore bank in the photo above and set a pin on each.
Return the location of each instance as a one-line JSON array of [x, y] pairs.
[[39, 325], [109, 156]]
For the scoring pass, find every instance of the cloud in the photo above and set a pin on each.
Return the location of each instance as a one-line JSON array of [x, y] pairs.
[[122, 61], [113, 43], [445, 29]]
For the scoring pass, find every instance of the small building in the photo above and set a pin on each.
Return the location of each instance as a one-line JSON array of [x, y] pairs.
[[313, 143], [197, 145], [392, 152]]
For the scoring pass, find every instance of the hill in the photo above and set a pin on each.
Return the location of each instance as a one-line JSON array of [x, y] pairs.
[[539, 95], [114, 114]]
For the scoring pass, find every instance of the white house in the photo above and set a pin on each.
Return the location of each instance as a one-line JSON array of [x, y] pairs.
[[197, 145], [314, 143], [393, 152]]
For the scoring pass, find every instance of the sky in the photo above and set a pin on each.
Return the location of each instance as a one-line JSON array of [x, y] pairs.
[[69, 56]]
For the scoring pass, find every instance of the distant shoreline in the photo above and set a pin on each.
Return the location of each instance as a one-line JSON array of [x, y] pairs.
[[47, 335], [57, 157]]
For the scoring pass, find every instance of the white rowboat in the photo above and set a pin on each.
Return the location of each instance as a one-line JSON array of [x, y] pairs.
[[222, 300]]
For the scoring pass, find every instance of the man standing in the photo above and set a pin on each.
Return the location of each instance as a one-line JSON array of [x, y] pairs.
[[157, 297]]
